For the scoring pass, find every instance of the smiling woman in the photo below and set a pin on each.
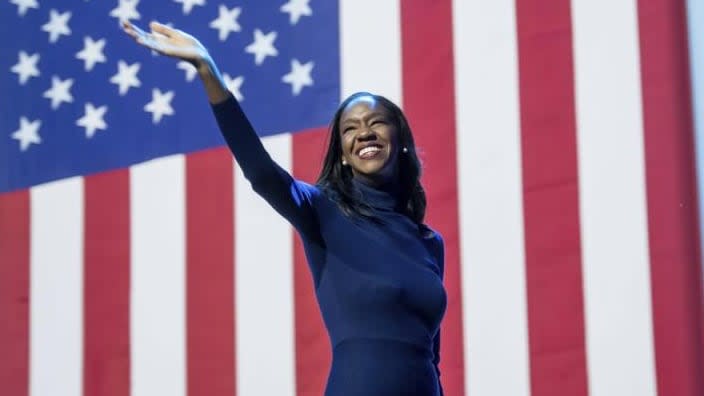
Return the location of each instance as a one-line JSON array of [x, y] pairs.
[[382, 304], [370, 141]]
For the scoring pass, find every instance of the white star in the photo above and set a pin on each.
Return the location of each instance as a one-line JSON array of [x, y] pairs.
[[28, 133], [59, 91], [126, 10], [126, 76], [190, 70], [234, 85], [160, 105], [23, 5], [26, 67], [299, 76], [188, 4], [295, 9], [226, 21], [92, 119], [262, 46], [57, 25], [92, 52]]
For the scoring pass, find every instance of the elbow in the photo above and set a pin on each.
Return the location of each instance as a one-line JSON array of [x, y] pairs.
[[263, 181], [259, 181]]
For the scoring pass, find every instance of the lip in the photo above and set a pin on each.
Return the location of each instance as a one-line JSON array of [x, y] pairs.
[[363, 146]]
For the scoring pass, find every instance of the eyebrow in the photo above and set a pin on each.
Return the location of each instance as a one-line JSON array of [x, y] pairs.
[[372, 115]]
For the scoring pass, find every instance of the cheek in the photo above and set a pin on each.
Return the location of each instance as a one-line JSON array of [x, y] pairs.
[[391, 136], [346, 143]]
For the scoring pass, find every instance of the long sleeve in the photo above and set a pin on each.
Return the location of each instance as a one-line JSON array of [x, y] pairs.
[[440, 252], [291, 198], [436, 359]]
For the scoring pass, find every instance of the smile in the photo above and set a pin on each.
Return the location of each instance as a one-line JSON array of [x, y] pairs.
[[369, 152]]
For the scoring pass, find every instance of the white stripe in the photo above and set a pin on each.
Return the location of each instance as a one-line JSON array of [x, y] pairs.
[[612, 198], [264, 288], [370, 37], [56, 289], [157, 299], [490, 198], [695, 19]]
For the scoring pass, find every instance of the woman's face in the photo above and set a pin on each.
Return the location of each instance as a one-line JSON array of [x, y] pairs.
[[369, 140]]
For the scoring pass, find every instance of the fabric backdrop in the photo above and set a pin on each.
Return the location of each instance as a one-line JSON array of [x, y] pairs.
[[695, 21], [558, 149]]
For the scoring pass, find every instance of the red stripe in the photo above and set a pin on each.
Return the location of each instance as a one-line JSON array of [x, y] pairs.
[[429, 103], [106, 255], [312, 347], [672, 198], [14, 293], [210, 252], [551, 199]]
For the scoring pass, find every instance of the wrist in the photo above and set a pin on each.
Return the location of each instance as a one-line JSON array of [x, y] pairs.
[[205, 67]]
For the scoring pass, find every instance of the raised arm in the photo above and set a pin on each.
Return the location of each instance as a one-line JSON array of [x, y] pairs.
[[291, 198]]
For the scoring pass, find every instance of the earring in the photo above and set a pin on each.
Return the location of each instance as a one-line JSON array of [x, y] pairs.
[[405, 149], [344, 163]]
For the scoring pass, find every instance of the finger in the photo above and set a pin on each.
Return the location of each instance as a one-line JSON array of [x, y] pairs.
[[127, 27], [132, 30], [150, 41], [138, 31], [161, 29], [146, 39], [143, 38], [131, 33]]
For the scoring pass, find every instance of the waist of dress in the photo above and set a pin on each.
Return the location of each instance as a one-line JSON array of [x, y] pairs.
[[381, 367], [382, 347]]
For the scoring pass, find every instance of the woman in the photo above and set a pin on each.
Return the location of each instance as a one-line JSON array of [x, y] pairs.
[[377, 269]]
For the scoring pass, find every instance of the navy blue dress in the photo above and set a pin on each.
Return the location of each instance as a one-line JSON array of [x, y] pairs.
[[378, 285]]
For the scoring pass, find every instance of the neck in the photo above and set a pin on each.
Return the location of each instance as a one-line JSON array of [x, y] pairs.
[[386, 185], [385, 179], [380, 195]]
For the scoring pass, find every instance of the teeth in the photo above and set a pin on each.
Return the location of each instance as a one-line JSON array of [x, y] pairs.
[[370, 149]]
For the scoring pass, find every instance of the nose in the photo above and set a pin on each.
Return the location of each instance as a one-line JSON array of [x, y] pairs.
[[366, 134]]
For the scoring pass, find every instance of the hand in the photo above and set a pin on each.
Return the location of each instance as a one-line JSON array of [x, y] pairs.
[[170, 42]]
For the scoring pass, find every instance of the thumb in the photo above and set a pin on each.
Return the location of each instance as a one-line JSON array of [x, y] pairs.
[[161, 29]]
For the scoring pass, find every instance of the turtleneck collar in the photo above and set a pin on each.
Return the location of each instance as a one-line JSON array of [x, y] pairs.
[[379, 197]]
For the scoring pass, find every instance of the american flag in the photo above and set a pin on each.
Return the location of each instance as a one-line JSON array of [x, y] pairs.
[[558, 149]]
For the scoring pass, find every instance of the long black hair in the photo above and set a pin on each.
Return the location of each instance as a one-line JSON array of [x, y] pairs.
[[335, 179]]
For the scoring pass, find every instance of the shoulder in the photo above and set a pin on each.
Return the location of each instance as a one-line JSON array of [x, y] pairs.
[[305, 190], [434, 238], [429, 233], [307, 186]]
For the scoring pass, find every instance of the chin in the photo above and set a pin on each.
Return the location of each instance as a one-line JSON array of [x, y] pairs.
[[372, 171], [375, 170], [377, 173]]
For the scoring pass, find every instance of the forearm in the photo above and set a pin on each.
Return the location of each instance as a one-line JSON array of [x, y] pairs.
[[267, 178], [241, 138]]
